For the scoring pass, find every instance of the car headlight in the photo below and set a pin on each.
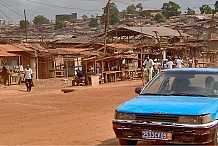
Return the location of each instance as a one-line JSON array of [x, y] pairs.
[[195, 119], [124, 116]]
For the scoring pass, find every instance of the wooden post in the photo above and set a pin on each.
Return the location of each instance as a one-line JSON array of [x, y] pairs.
[[106, 24], [25, 25], [66, 67]]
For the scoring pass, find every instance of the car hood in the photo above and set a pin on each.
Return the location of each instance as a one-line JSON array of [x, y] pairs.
[[177, 105]]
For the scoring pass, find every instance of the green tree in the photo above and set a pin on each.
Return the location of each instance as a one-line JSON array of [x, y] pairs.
[[131, 9], [171, 9], [159, 18], [61, 21], [145, 13], [190, 11], [113, 14], [139, 7], [85, 17], [216, 6], [40, 19], [23, 23], [206, 9], [93, 22]]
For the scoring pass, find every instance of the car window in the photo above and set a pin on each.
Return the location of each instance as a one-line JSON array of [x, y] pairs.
[[189, 83]]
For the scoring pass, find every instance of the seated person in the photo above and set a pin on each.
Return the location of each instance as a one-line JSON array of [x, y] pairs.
[[208, 85], [80, 76]]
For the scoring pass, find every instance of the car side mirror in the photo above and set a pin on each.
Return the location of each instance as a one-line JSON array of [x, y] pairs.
[[138, 90]]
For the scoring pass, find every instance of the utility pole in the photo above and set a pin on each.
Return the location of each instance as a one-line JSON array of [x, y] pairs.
[[106, 24], [25, 25], [209, 37]]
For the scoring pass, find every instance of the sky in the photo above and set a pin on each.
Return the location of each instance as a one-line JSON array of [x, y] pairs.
[[13, 10]]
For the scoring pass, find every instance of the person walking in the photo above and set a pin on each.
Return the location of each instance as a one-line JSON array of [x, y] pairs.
[[28, 73], [148, 64], [179, 62], [196, 62], [190, 63], [170, 64]]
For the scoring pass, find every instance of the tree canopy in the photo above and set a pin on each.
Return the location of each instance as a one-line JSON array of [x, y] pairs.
[[206, 9], [40, 19], [113, 15], [171, 9], [139, 6], [24, 23], [190, 11], [159, 18], [93, 22], [131, 9], [84, 17]]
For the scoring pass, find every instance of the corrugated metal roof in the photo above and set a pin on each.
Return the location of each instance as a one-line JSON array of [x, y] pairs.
[[162, 31], [14, 48], [121, 46], [6, 54]]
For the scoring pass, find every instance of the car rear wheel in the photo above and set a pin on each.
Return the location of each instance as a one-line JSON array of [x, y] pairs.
[[127, 142]]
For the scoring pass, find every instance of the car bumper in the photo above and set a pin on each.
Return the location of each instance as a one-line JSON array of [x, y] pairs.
[[181, 133]]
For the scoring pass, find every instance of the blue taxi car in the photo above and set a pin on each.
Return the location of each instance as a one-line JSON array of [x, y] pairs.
[[178, 106]]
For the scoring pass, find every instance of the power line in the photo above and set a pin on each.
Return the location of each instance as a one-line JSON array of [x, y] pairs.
[[5, 15], [60, 6], [10, 9]]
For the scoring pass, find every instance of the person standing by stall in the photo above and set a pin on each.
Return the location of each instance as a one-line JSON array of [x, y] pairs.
[[28, 74], [6, 72]]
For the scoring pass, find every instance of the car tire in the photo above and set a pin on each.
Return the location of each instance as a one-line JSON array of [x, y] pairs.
[[127, 142]]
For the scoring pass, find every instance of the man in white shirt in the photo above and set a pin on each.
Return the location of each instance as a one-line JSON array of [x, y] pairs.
[[179, 63], [148, 64], [28, 73], [170, 64]]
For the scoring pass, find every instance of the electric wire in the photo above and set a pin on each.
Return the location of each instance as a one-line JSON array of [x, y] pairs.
[[61, 6], [5, 15], [11, 8]]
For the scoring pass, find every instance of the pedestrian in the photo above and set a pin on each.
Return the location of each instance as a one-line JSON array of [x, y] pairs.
[[148, 64], [196, 62], [156, 66], [6, 74], [179, 62], [28, 73], [190, 62], [170, 64]]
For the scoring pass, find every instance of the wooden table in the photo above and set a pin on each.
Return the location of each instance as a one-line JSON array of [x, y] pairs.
[[131, 73], [111, 74], [58, 73]]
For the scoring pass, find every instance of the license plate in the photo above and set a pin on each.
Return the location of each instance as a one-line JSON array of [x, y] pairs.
[[156, 135]]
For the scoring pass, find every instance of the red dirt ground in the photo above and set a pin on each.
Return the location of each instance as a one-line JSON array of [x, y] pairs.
[[47, 116]]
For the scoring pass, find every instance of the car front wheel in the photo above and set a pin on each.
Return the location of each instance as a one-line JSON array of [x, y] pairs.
[[127, 142]]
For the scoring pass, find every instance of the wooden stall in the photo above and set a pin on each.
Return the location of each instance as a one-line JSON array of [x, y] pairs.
[[112, 68]]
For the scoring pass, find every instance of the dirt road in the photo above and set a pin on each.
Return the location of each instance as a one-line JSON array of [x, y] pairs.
[[47, 116]]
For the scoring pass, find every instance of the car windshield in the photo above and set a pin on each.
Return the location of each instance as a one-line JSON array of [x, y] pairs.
[[183, 84]]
